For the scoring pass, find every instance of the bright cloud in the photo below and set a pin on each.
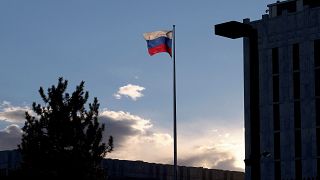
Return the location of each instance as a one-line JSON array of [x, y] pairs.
[[211, 156], [132, 91], [220, 147]]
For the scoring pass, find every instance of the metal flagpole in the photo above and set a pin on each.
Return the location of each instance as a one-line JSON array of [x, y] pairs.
[[174, 106]]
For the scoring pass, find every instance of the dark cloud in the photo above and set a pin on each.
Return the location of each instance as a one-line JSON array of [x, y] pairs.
[[120, 130], [123, 125], [10, 137]]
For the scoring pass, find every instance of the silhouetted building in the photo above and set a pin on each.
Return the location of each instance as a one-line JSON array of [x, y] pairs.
[[9, 160], [282, 90], [122, 169], [134, 170]]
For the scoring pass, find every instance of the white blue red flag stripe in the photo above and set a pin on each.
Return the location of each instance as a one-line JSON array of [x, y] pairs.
[[159, 41]]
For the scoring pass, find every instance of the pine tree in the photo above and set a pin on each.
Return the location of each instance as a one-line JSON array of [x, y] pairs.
[[64, 139]]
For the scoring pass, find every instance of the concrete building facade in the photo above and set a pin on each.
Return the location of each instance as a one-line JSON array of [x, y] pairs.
[[281, 90], [289, 81]]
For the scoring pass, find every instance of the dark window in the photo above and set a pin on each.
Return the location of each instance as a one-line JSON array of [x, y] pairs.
[[317, 90], [275, 88], [318, 141], [318, 167], [276, 117], [318, 112], [317, 53], [277, 145], [297, 137], [275, 61], [298, 169], [297, 114], [317, 81], [277, 170], [295, 57], [296, 85]]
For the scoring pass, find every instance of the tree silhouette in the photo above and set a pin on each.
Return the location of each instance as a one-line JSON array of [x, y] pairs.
[[63, 139]]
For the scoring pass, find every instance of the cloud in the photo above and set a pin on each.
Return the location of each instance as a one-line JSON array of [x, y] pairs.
[[10, 137], [14, 114], [220, 147], [136, 138], [132, 91], [124, 125]]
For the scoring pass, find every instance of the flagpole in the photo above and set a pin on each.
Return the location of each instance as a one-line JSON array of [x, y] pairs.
[[174, 106]]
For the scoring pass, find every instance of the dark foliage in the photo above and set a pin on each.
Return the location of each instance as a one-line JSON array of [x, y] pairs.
[[63, 140]]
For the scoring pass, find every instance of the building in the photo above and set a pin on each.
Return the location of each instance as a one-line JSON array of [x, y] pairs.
[[9, 160], [282, 90], [134, 170]]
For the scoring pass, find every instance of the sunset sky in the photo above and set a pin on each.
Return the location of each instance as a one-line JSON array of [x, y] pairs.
[[101, 42]]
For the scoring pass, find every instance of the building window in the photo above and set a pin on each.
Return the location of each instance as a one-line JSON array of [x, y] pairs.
[[275, 61], [296, 85], [317, 81], [297, 114], [275, 88], [297, 143], [318, 111], [277, 170], [298, 169], [295, 57], [276, 117], [316, 53], [318, 167], [318, 141], [277, 146]]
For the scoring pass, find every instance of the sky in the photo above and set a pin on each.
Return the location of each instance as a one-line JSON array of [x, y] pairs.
[[101, 43]]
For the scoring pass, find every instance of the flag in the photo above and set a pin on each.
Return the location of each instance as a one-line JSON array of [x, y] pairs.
[[159, 41]]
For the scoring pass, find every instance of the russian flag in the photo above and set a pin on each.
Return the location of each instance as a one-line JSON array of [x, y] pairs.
[[159, 41]]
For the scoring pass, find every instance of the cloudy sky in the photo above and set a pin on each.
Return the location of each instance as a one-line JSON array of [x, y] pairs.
[[101, 42]]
